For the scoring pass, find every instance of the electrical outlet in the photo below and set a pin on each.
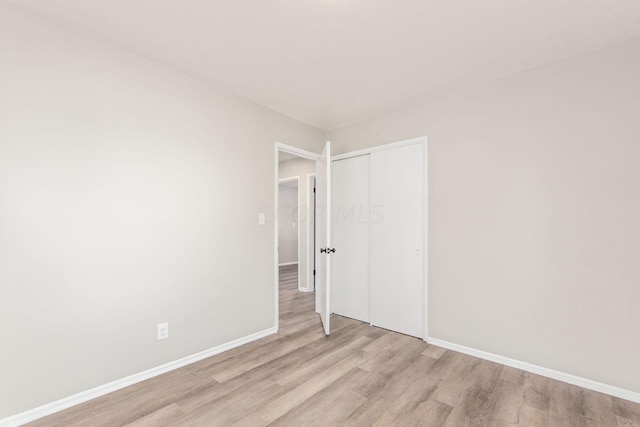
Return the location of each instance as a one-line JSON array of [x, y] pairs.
[[163, 331]]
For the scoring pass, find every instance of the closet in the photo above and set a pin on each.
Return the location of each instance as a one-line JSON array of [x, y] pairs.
[[378, 231]]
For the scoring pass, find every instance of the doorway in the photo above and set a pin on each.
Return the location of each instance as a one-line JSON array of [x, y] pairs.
[[295, 231]]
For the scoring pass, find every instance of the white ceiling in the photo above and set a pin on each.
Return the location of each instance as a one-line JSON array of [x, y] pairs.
[[334, 62]]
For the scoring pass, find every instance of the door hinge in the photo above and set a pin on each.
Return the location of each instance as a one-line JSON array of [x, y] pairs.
[[314, 189], [314, 272]]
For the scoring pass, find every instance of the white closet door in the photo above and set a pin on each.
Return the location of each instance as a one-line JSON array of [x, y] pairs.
[[350, 227], [397, 234]]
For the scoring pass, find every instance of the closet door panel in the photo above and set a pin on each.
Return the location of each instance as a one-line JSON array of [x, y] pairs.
[[350, 237], [396, 239]]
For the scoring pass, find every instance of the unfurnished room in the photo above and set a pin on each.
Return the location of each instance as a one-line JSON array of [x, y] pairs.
[[319, 213]]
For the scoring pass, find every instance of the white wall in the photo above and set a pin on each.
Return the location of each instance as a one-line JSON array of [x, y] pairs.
[[301, 168], [288, 224], [115, 213], [534, 222]]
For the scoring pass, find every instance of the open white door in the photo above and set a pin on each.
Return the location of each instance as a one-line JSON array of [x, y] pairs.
[[323, 233]]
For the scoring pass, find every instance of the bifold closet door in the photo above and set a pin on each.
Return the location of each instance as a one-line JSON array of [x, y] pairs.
[[396, 239], [350, 236]]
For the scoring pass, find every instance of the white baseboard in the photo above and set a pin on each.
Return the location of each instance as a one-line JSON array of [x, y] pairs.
[[287, 263], [76, 399], [305, 289], [545, 372]]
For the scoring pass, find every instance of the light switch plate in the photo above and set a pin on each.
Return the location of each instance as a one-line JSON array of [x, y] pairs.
[[261, 219]]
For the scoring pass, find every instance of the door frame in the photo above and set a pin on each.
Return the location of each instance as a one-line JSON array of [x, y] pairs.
[[278, 147]]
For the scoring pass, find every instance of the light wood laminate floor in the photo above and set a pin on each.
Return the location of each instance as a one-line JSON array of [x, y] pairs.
[[359, 376]]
